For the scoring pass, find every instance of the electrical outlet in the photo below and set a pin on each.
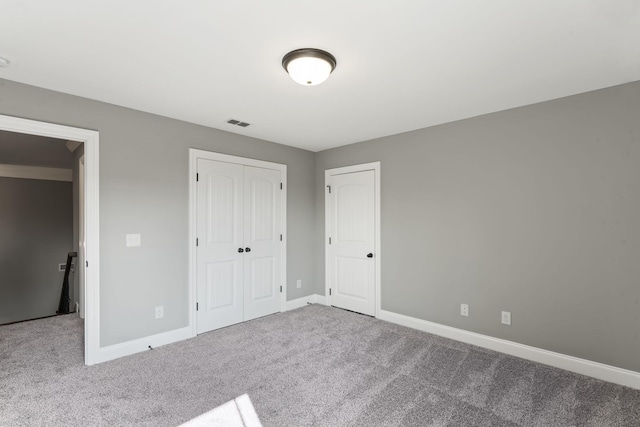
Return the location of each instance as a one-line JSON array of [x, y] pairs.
[[133, 240], [63, 267], [299, 283], [159, 312], [464, 310], [506, 318]]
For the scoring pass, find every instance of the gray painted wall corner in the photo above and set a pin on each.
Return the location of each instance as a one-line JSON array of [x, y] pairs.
[[533, 210]]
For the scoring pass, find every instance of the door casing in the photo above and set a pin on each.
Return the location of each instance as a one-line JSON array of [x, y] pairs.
[[194, 155], [93, 352], [375, 166]]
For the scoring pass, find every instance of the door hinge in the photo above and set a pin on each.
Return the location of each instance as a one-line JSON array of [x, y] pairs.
[[329, 240], [197, 241], [197, 307], [87, 263], [281, 186], [329, 187], [329, 291], [197, 177], [281, 237], [280, 289]]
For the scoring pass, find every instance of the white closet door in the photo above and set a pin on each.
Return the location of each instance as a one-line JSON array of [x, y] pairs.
[[351, 267], [220, 235], [262, 229]]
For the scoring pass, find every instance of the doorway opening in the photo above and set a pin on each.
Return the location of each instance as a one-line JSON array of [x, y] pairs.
[[39, 212], [86, 239]]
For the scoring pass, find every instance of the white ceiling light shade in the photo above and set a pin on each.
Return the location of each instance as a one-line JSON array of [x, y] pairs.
[[309, 67]]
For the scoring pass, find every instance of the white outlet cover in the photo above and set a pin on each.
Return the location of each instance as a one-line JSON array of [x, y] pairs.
[[464, 310], [160, 312], [133, 240]]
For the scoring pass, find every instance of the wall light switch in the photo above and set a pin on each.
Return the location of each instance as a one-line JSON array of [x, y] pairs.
[[133, 240], [299, 283], [506, 318]]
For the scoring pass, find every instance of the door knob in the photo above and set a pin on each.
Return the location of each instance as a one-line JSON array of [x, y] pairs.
[[240, 250], [369, 255], [247, 249]]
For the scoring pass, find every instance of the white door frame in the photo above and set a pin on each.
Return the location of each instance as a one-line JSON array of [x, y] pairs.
[[82, 241], [375, 166], [194, 155], [90, 138]]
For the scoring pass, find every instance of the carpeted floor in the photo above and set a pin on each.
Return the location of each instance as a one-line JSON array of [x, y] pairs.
[[312, 366]]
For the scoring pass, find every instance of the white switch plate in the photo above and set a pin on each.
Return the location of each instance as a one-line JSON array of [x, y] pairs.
[[464, 310], [159, 312], [133, 240], [506, 318], [299, 283]]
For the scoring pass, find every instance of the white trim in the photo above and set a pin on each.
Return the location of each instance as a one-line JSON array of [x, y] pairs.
[[36, 172], [194, 155], [569, 363], [142, 344], [309, 299], [72, 145], [300, 302], [321, 299], [91, 140], [283, 228], [375, 166]]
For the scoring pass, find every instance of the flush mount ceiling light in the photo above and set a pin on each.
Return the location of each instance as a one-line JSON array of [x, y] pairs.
[[309, 67], [4, 62]]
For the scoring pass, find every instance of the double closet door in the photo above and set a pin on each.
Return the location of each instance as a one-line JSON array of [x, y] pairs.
[[238, 226]]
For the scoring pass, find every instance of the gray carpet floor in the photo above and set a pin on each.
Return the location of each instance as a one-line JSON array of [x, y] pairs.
[[312, 366]]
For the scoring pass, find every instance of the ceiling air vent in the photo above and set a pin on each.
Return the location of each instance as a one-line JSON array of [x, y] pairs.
[[238, 123]]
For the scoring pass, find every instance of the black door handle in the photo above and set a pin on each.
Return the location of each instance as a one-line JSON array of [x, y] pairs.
[[247, 249], [240, 250], [369, 255]]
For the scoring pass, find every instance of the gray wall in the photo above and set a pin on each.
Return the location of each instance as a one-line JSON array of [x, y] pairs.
[[534, 210], [32, 150], [144, 189], [35, 236]]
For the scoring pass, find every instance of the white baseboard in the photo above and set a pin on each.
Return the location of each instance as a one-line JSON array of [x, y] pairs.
[[569, 363], [300, 302], [309, 299], [321, 299], [137, 346]]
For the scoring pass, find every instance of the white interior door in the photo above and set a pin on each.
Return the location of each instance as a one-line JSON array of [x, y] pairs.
[[239, 246], [220, 237], [351, 265], [262, 229]]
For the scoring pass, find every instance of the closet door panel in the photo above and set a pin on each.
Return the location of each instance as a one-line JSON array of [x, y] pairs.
[[220, 230], [262, 229]]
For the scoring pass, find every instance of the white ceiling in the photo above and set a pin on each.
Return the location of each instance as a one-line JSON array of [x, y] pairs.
[[402, 65]]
